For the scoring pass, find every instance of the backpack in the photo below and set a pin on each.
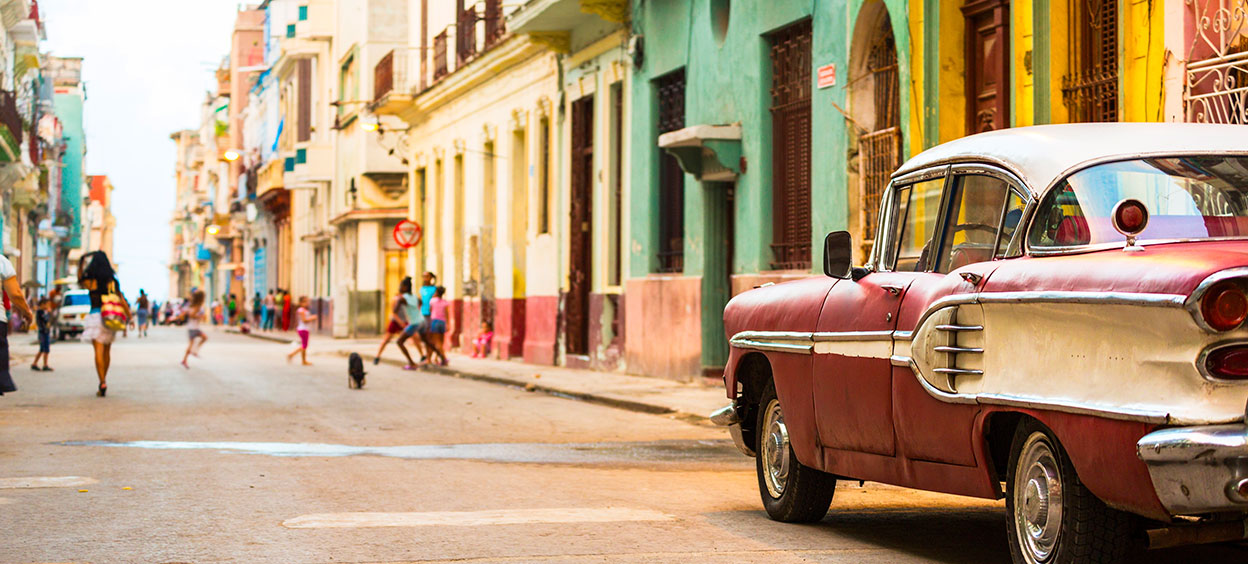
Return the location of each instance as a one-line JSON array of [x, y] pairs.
[[355, 371], [113, 310]]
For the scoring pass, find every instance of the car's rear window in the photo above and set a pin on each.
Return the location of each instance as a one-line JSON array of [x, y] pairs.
[[77, 299], [1201, 197]]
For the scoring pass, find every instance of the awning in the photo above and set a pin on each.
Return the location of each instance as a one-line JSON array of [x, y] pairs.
[[710, 153]]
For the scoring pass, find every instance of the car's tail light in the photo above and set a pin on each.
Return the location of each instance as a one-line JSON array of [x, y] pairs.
[[1224, 306], [1228, 363]]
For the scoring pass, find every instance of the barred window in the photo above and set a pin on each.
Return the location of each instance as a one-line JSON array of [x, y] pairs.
[[790, 118], [670, 89], [1090, 92]]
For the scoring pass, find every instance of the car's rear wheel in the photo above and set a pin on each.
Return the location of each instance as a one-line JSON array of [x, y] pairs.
[[1053, 518], [792, 492]]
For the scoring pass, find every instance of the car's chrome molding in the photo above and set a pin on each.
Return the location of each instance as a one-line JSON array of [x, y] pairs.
[[1192, 305], [1104, 298]]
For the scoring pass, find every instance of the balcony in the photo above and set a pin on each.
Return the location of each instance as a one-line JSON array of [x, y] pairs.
[[11, 132], [311, 163], [440, 68], [392, 91], [466, 36], [270, 177], [552, 21]]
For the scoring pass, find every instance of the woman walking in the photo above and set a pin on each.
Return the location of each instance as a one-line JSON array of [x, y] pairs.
[[193, 312], [96, 274], [437, 326], [142, 304], [303, 317], [8, 276], [398, 319]]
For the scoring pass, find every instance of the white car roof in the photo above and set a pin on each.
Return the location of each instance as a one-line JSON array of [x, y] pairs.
[[1043, 154]]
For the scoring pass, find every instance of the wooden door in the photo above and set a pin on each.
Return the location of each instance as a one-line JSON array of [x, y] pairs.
[[580, 235], [987, 65]]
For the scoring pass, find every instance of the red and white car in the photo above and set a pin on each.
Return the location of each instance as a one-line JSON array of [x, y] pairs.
[[1052, 314]]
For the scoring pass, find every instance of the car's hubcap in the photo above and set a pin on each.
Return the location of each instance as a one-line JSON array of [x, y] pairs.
[[1038, 499], [775, 450]]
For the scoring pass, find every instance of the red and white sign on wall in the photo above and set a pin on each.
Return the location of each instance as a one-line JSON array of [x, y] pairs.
[[827, 76], [407, 234]]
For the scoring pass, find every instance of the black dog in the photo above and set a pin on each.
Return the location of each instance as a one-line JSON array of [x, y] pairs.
[[355, 371]]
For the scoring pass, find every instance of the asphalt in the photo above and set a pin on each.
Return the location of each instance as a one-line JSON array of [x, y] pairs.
[[245, 458]]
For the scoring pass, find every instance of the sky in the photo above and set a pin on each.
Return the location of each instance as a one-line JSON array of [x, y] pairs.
[[147, 66]]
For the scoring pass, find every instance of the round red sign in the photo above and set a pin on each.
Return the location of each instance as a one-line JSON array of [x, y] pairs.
[[407, 234]]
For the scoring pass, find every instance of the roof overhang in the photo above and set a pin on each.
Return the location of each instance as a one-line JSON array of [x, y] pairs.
[[551, 22], [711, 153]]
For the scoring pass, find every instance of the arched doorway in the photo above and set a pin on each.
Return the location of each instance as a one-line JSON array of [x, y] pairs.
[[875, 116]]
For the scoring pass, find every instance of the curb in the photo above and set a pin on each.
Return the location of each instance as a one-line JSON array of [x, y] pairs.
[[589, 397], [270, 338]]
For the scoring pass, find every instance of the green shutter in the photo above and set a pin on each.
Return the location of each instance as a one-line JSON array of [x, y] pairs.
[[303, 13], [290, 31], [301, 156], [290, 164]]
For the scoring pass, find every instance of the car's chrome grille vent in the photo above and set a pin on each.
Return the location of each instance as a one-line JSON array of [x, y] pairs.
[[961, 345]]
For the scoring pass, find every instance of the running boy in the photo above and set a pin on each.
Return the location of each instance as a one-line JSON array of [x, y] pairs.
[[193, 312]]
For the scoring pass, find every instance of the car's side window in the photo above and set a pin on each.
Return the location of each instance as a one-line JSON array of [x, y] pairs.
[[971, 229], [917, 212], [1014, 207]]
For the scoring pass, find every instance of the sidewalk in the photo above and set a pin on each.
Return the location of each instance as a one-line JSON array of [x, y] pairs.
[[689, 402]]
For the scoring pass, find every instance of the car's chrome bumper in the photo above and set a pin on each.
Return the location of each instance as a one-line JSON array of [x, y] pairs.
[[1198, 470], [729, 416]]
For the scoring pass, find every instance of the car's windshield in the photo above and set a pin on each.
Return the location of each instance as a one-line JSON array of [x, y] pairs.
[[1187, 198], [77, 299]]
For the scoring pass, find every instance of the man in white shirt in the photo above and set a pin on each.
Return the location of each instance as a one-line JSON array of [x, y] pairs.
[[13, 290]]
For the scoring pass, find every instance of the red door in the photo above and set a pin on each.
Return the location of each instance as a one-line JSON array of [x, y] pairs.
[[580, 238], [987, 65]]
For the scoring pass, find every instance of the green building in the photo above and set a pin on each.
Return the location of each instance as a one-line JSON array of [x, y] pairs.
[[758, 126]]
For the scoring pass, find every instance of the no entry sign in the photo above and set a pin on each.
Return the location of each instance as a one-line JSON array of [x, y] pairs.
[[407, 234]]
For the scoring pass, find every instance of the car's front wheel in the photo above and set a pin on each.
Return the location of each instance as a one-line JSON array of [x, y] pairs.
[[1053, 518], [792, 492]]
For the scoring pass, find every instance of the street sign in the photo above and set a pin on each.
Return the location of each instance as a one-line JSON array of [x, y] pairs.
[[827, 76], [407, 234]]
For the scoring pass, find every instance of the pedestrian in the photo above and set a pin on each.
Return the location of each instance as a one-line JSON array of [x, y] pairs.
[[12, 290], [96, 274], [43, 322], [285, 310], [416, 326], [257, 306], [437, 325], [141, 306], [398, 318], [194, 336], [231, 307], [269, 311], [303, 317]]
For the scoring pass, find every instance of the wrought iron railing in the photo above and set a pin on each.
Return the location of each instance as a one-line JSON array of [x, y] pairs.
[[466, 36], [9, 116], [440, 67], [1216, 89], [383, 76], [879, 154], [495, 27]]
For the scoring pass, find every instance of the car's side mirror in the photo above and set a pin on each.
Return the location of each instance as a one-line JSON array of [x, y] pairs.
[[838, 254]]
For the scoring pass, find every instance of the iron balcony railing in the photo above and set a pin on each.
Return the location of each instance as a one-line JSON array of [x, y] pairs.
[[9, 116], [466, 36], [390, 75], [440, 67]]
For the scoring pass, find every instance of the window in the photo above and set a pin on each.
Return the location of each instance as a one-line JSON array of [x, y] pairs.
[[1187, 198], [543, 180], [616, 207], [790, 138], [980, 222], [304, 103], [670, 90], [303, 13], [1090, 92], [917, 209], [348, 86]]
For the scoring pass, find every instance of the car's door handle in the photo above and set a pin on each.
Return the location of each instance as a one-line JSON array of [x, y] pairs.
[[972, 277], [892, 289]]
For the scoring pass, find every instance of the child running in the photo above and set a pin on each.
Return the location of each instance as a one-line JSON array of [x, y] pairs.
[[43, 321], [303, 317], [398, 318], [191, 314]]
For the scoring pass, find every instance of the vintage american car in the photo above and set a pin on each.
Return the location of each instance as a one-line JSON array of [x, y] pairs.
[[1051, 314]]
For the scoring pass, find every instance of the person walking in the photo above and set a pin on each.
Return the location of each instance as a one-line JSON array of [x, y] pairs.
[[257, 310], [141, 314], [285, 310], [196, 338], [268, 311], [303, 317], [398, 319], [231, 308], [96, 274], [12, 289], [43, 323], [437, 326]]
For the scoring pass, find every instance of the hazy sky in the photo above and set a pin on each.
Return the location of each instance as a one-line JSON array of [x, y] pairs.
[[147, 65]]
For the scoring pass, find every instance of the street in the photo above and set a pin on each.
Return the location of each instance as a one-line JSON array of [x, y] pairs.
[[243, 458]]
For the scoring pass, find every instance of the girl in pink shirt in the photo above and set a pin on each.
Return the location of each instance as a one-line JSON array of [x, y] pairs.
[[437, 324]]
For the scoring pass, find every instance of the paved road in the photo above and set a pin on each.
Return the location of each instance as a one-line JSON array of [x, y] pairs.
[[244, 458]]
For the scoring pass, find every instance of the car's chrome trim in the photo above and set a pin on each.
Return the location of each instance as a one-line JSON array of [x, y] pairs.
[[821, 337], [958, 350], [927, 386], [959, 371], [960, 327], [1192, 304], [772, 347], [1103, 298], [1119, 413]]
